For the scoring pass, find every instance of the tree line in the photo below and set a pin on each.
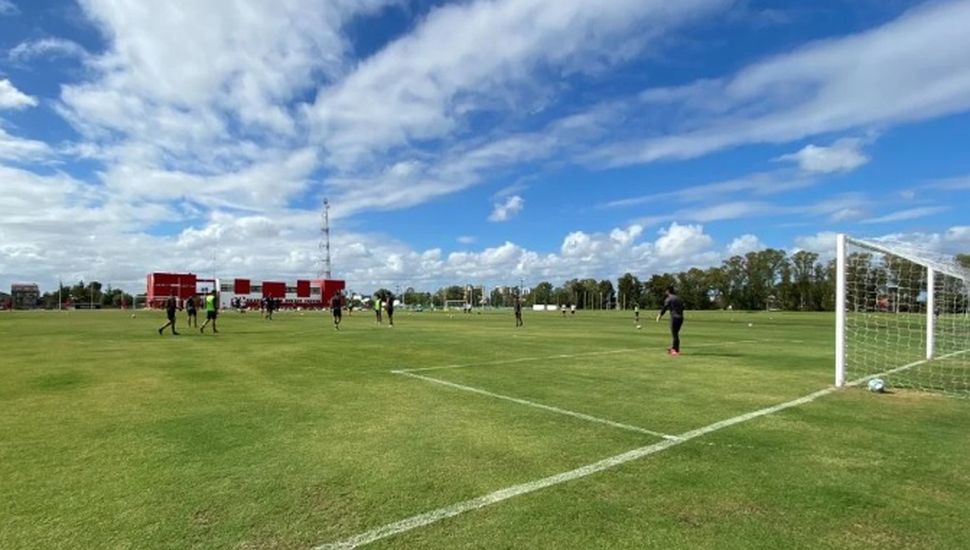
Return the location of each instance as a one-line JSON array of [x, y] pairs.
[[89, 294], [763, 279]]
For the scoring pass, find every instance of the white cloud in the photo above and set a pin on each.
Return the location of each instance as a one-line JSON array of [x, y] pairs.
[[507, 210], [204, 87], [679, 241], [757, 183], [46, 47], [7, 7], [844, 155], [959, 183], [15, 148], [12, 98], [466, 239], [822, 243], [423, 85], [907, 214], [744, 244], [959, 235], [863, 80], [847, 214]]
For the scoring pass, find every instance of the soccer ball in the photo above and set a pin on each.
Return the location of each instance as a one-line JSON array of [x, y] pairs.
[[876, 385], [750, 324], [132, 315], [638, 327]]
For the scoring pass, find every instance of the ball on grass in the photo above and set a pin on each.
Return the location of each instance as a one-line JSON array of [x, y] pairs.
[[639, 327], [132, 315], [877, 385], [750, 324]]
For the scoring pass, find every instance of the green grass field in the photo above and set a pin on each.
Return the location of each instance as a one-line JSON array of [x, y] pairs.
[[286, 434]]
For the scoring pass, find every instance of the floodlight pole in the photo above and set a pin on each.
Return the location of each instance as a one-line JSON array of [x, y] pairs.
[[840, 272], [930, 313]]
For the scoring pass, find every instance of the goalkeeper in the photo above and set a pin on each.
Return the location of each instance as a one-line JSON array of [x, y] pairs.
[[675, 306]]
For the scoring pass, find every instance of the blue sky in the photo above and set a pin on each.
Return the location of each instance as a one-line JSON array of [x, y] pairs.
[[473, 142]]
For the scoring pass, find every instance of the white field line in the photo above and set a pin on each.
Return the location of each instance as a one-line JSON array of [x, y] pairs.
[[435, 516], [561, 356], [528, 403]]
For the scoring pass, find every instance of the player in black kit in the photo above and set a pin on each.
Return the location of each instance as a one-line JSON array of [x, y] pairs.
[[675, 306], [170, 307], [335, 304]]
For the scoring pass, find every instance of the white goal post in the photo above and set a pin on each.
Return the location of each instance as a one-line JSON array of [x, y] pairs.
[[901, 314]]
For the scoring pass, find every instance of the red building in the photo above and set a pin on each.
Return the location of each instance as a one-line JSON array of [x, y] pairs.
[[306, 293], [180, 285]]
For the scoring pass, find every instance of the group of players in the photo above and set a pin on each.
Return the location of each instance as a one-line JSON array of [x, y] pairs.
[[672, 303], [191, 308]]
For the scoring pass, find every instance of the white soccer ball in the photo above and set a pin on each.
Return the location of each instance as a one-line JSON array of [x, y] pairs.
[[132, 315], [876, 385], [639, 327], [750, 324]]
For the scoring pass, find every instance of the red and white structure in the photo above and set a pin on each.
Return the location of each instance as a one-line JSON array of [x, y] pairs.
[[303, 293]]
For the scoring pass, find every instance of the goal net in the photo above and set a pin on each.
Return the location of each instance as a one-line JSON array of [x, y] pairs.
[[902, 316], [455, 304]]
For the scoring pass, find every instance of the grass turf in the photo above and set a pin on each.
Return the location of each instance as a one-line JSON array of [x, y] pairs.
[[287, 434]]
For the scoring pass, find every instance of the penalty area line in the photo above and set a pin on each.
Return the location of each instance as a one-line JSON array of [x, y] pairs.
[[446, 512], [526, 402]]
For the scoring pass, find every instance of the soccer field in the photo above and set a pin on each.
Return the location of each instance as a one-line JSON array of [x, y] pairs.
[[460, 431]]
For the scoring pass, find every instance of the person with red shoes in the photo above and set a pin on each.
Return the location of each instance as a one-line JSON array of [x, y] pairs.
[[675, 306]]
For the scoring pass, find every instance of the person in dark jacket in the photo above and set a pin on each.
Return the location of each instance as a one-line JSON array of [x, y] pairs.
[[675, 306], [171, 305]]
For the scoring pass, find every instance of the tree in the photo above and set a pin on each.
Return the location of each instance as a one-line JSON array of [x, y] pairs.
[[964, 260], [607, 295], [693, 289], [762, 271], [497, 297], [717, 286], [655, 290], [542, 293], [735, 282], [804, 280], [630, 290], [454, 292]]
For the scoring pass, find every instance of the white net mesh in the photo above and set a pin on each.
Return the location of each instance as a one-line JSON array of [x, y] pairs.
[[887, 304]]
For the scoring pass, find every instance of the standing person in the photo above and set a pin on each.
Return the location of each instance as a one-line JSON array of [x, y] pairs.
[[636, 314], [170, 306], [211, 312], [675, 306], [518, 312], [270, 304], [390, 310], [193, 317], [335, 304], [377, 309]]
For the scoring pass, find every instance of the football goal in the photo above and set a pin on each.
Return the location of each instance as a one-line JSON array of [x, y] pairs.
[[901, 315]]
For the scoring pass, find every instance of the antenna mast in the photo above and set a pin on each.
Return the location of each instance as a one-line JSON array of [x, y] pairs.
[[325, 239]]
